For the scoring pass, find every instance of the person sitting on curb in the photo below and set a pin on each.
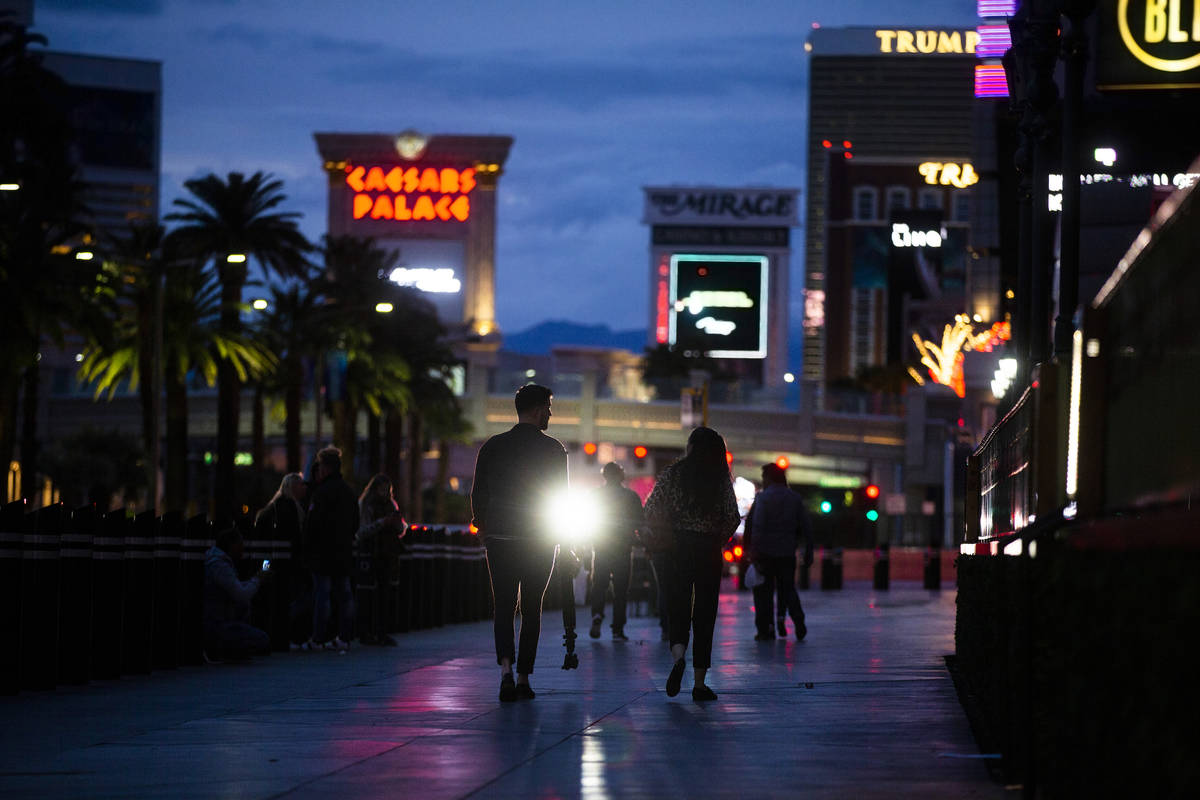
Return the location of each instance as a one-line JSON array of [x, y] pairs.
[[227, 631]]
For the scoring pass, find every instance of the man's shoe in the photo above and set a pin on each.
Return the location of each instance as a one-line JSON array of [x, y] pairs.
[[767, 635], [675, 678], [781, 627], [594, 631], [801, 631], [619, 635], [703, 694], [525, 692], [508, 689]]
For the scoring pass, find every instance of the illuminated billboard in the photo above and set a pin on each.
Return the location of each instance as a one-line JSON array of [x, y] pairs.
[[1148, 45], [717, 305]]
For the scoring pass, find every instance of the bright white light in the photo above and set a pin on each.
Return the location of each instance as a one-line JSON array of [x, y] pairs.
[[903, 236], [1093, 348], [384, 308], [439, 281], [573, 516], [697, 301], [236, 258], [9, 187], [1073, 415], [716, 327], [84, 255], [1106, 156], [259, 304], [78, 357], [1013, 548], [530, 373], [1008, 367], [789, 377]]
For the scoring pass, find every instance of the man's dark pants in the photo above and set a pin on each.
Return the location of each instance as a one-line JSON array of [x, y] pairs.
[[519, 567], [613, 561], [779, 573]]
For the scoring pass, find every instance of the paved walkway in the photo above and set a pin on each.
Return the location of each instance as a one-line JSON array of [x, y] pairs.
[[863, 708]]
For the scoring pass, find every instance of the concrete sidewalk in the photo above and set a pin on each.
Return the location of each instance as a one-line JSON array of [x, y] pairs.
[[863, 707]]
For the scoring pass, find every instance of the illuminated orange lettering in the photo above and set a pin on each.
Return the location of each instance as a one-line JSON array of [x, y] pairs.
[[395, 179], [926, 41], [449, 181], [461, 208], [430, 182], [375, 180], [402, 212], [355, 179], [424, 207], [412, 177], [382, 208], [904, 42], [442, 207], [466, 180], [362, 204]]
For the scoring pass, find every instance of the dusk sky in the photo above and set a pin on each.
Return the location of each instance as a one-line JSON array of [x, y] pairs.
[[602, 99]]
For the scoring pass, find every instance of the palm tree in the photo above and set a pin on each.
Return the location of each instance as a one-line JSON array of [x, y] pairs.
[[225, 222]]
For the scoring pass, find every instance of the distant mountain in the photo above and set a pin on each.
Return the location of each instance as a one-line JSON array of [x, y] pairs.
[[539, 339]]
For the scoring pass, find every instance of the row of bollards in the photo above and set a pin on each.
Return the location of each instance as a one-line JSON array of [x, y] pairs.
[[95, 596]]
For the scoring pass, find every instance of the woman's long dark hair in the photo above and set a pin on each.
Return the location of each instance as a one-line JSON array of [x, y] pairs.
[[703, 470]]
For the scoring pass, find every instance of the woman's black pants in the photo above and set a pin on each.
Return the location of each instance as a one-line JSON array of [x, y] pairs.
[[695, 587]]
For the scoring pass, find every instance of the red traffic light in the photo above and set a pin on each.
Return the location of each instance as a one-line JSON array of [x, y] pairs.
[[589, 448], [640, 451], [782, 462], [872, 491]]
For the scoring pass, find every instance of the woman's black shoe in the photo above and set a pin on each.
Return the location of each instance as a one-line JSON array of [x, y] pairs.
[[703, 694], [508, 689], [675, 678]]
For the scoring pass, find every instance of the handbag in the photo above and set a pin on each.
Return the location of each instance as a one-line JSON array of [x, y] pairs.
[[657, 538], [754, 578]]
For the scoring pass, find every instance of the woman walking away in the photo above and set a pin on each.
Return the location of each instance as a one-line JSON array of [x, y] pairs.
[[693, 499], [381, 526]]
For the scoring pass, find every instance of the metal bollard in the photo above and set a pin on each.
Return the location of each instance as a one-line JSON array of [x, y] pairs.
[[402, 596], [168, 538], [882, 564], [108, 587], [38, 639], [422, 596], [75, 597], [933, 568], [441, 576], [138, 601], [12, 525], [197, 538]]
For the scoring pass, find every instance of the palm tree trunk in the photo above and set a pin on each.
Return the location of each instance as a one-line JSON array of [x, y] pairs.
[[291, 404], [415, 453], [439, 486], [228, 388], [177, 440], [29, 442], [392, 442], [373, 443]]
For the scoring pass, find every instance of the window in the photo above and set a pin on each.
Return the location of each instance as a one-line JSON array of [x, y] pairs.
[[898, 199], [962, 207], [864, 202], [930, 198]]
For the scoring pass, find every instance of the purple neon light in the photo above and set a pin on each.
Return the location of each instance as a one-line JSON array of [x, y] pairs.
[[996, 8], [989, 81], [994, 41]]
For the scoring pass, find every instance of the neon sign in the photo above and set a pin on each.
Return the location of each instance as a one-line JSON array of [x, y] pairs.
[[902, 236], [1161, 24], [438, 280], [960, 176], [900, 41], [411, 193]]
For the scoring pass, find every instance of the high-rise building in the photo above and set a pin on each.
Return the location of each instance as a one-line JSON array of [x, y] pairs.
[[892, 99]]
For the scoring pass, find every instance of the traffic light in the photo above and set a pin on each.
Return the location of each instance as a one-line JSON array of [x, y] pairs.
[[871, 493], [589, 452], [640, 452], [826, 506], [782, 462]]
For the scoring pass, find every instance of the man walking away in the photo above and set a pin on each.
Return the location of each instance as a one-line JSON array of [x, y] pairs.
[[517, 474], [612, 549], [329, 532], [777, 523]]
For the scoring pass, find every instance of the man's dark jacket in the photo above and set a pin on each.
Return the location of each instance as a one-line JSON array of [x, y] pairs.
[[516, 473], [330, 526]]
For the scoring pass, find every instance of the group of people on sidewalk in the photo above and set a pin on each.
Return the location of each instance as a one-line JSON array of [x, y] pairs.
[[324, 532], [689, 515]]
